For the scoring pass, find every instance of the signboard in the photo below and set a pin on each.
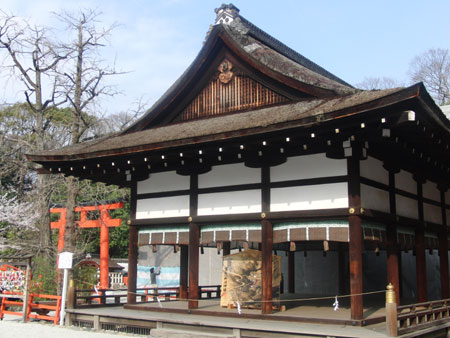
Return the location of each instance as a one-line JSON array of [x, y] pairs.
[[65, 260]]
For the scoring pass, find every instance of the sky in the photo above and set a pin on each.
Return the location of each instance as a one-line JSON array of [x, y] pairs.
[[156, 40]]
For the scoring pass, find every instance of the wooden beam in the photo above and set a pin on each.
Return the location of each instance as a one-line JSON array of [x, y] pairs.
[[392, 251], [194, 242], [356, 237], [266, 273], [421, 269], [291, 272], [443, 250], [184, 271]]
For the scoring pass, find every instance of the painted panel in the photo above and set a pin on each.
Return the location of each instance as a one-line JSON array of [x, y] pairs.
[[404, 181], [375, 199], [432, 213], [308, 166], [229, 174], [431, 191], [162, 207], [406, 207], [235, 202], [373, 169], [164, 181], [323, 196]]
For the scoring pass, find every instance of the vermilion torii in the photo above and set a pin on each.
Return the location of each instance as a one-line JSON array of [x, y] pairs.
[[104, 223]]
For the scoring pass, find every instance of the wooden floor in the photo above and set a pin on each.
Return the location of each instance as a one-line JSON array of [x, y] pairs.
[[299, 308], [223, 326]]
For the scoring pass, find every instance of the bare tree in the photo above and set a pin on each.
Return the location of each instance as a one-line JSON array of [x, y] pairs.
[[84, 82], [373, 83], [33, 57], [433, 69]]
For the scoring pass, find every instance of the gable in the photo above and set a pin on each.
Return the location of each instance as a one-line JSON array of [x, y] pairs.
[[229, 90]]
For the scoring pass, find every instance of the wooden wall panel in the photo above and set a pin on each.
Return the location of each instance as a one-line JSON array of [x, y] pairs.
[[240, 93]]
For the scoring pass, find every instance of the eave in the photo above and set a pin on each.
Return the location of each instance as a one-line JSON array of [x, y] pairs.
[[140, 159]]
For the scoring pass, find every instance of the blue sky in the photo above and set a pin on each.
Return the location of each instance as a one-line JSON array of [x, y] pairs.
[[157, 39]]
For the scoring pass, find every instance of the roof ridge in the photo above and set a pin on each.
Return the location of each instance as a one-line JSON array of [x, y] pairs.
[[290, 53]]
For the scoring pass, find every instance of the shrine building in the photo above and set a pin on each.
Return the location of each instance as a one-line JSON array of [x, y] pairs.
[[255, 146]]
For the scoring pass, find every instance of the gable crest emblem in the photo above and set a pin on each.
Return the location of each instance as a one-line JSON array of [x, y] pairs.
[[226, 74]]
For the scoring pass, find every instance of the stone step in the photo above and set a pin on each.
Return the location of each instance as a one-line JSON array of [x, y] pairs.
[[175, 333]]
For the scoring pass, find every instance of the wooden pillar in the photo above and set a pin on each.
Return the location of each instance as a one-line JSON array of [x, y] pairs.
[[392, 250], [194, 243], [421, 270], [356, 238], [104, 254], [266, 273], [184, 271], [443, 249], [132, 249], [132, 264], [226, 247], [291, 272]]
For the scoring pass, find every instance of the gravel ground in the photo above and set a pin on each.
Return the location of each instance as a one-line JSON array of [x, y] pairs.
[[13, 327]]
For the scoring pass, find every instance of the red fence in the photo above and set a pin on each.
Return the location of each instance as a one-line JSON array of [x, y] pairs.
[[11, 301]]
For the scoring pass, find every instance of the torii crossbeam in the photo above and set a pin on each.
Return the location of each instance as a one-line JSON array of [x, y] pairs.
[[104, 223]]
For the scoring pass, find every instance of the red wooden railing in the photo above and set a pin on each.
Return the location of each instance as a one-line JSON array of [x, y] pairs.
[[12, 300]]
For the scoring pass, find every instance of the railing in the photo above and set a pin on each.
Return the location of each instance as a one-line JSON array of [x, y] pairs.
[[422, 315], [207, 292], [42, 308], [111, 297], [11, 301], [116, 279]]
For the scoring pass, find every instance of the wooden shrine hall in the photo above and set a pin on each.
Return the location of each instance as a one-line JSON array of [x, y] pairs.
[[255, 145]]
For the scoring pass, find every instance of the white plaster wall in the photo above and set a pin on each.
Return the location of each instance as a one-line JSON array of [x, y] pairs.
[[225, 203], [373, 169], [406, 207], [308, 166], [323, 196], [229, 174], [373, 198], [164, 181], [405, 181], [432, 213], [431, 191], [162, 207]]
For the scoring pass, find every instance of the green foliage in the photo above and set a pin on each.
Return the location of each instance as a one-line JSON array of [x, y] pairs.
[[85, 277], [44, 275]]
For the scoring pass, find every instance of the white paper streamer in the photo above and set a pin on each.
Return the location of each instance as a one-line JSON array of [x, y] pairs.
[[159, 302], [239, 308], [336, 304]]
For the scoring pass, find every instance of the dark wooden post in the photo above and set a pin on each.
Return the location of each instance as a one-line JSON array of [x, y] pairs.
[[421, 270], [226, 247], [392, 251], [356, 237], [291, 272], [184, 271], [266, 273], [443, 249], [194, 243], [132, 264]]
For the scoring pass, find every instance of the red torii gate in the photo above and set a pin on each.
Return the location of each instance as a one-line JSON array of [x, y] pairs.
[[104, 223]]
